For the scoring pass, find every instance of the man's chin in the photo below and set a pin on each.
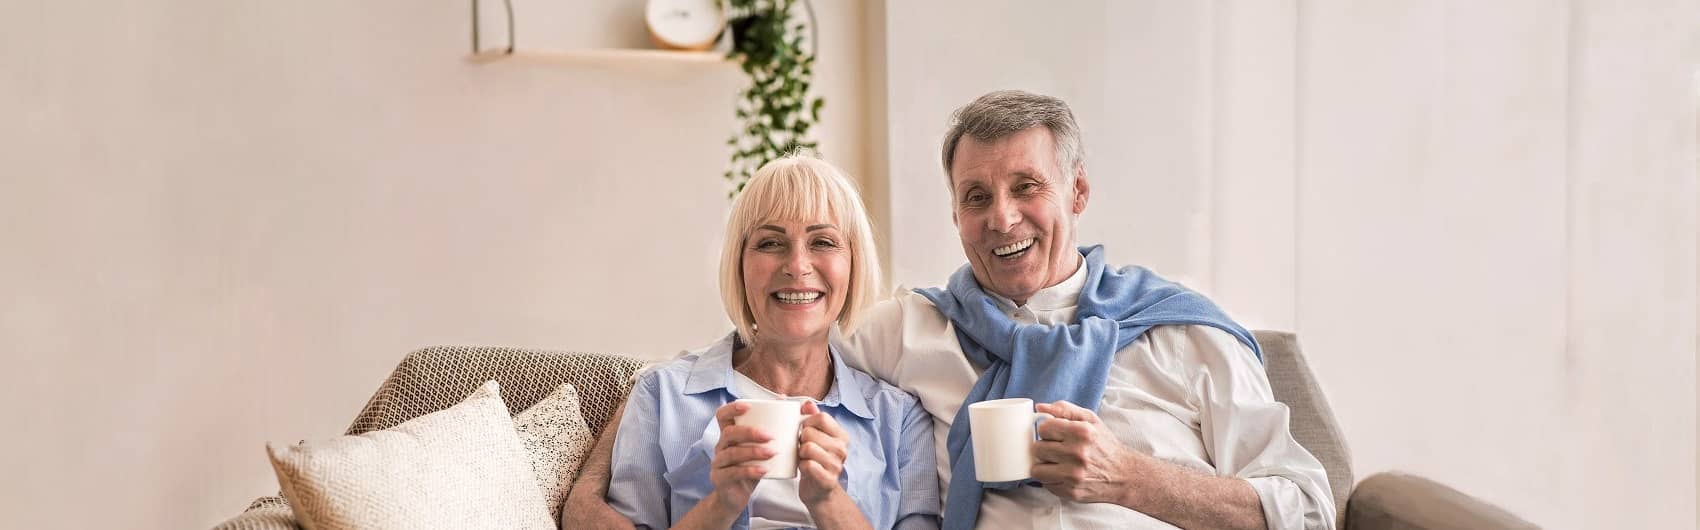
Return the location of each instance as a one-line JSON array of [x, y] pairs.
[[1012, 288]]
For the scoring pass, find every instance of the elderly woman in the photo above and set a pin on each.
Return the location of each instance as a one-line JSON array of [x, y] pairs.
[[799, 261]]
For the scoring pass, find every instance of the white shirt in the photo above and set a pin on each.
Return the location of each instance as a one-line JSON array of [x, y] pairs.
[[1193, 396], [774, 504]]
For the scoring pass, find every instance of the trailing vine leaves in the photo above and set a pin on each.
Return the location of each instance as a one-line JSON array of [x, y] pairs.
[[775, 111]]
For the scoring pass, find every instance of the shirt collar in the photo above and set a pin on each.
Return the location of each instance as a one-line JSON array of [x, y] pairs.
[[1063, 295], [713, 371]]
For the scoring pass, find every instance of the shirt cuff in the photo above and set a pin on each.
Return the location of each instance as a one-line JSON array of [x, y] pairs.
[[1283, 503]]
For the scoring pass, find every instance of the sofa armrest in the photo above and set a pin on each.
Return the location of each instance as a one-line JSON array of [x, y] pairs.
[[1399, 501]]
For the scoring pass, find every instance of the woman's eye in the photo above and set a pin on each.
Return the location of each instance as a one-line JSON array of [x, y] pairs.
[[826, 243], [769, 244]]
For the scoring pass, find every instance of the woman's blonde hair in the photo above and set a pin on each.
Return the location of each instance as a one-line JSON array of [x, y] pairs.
[[799, 188]]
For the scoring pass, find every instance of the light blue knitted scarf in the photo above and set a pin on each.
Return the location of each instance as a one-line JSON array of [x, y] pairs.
[[1050, 363]]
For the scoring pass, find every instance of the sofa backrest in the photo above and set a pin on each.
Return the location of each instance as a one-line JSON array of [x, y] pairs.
[[435, 378], [1312, 420]]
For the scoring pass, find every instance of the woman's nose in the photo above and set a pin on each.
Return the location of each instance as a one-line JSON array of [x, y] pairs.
[[797, 264]]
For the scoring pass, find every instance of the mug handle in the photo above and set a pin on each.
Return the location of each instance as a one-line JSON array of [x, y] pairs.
[[1039, 417]]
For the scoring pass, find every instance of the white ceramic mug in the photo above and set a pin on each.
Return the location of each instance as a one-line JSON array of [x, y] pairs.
[[779, 418], [1003, 435]]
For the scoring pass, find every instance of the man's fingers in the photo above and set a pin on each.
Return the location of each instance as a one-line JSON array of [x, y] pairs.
[[1048, 474], [1064, 430], [1068, 411], [1054, 452]]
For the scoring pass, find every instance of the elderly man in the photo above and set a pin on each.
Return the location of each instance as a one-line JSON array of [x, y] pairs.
[[1163, 413]]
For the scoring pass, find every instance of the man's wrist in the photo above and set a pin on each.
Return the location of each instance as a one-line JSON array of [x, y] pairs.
[[1135, 477]]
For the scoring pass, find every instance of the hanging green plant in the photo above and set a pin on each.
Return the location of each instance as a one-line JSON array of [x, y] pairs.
[[776, 111]]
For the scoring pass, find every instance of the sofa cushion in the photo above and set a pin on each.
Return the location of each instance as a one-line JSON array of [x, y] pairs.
[[265, 513], [557, 439], [460, 467], [1312, 420]]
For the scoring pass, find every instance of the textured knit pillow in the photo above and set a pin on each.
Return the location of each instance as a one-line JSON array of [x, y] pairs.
[[460, 467], [554, 432]]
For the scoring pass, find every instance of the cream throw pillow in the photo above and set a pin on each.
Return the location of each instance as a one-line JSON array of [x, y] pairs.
[[554, 432], [460, 467]]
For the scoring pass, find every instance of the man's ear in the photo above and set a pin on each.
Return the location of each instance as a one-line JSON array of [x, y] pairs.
[[1082, 189]]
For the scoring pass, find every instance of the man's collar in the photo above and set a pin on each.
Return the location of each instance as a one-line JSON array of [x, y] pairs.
[[713, 371], [1064, 294]]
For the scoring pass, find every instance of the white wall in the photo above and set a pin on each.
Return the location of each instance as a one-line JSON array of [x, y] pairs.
[[224, 222], [941, 55], [1480, 218]]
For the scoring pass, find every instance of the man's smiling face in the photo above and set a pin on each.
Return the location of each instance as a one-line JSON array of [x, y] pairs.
[[1016, 212]]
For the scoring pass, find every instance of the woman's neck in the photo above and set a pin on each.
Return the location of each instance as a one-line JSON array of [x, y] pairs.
[[791, 369]]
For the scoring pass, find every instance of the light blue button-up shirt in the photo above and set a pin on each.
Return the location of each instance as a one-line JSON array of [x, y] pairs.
[[667, 436]]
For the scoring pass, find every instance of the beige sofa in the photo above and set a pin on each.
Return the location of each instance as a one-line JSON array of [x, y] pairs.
[[435, 378]]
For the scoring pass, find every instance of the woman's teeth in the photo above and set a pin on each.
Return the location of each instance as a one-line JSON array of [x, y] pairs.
[[1014, 247], [796, 298]]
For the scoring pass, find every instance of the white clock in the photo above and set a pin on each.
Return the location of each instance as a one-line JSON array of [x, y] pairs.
[[684, 24]]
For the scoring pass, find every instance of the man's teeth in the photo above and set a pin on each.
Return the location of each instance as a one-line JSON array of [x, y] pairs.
[[1014, 247], [797, 298]]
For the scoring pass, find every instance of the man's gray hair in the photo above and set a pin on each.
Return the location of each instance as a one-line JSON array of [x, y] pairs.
[[1004, 113]]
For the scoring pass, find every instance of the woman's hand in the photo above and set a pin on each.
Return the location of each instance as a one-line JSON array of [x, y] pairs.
[[736, 467], [821, 451]]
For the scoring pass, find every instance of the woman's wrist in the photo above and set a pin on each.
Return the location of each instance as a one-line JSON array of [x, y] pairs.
[[835, 507], [723, 504]]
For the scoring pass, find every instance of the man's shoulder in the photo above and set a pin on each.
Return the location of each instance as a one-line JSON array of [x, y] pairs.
[[904, 309], [1197, 343], [882, 396]]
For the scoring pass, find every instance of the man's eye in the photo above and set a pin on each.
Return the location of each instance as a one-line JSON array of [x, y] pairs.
[[1027, 188]]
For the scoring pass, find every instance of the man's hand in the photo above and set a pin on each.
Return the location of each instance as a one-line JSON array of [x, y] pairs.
[[586, 506], [1079, 459], [737, 468], [821, 452]]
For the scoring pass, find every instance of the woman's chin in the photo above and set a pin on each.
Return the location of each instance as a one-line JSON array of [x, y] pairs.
[[790, 332]]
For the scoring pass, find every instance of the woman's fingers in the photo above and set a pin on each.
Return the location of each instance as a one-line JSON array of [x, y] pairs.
[[741, 454], [741, 434], [814, 471], [726, 412], [837, 446], [811, 452], [825, 424]]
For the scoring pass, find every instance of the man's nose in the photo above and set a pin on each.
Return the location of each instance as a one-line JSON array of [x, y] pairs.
[[1003, 215]]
